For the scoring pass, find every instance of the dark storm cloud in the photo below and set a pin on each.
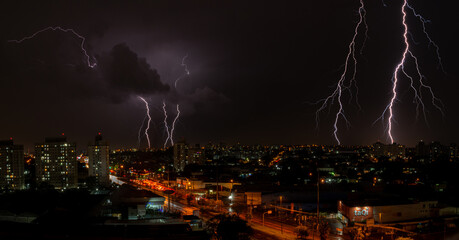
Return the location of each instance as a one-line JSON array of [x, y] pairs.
[[204, 99], [208, 95], [128, 74], [119, 74]]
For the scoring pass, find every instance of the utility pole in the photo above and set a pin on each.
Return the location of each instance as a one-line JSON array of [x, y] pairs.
[[318, 184], [318, 202], [168, 186], [217, 189], [217, 182], [251, 205]]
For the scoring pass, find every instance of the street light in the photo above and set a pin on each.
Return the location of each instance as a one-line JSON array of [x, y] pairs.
[[268, 212]]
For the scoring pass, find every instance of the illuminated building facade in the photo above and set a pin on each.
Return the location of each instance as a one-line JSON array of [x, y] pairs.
[[56, 163], [185, 154], [195, 155], [180, 156], [389, 150], [11, 165], [98, 155], [350, 213], [382, 213]]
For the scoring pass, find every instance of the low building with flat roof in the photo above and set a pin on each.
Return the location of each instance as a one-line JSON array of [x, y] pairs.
[[131, 203], [387, 212]]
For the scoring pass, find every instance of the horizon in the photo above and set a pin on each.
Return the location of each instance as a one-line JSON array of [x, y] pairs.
[[81, 147]]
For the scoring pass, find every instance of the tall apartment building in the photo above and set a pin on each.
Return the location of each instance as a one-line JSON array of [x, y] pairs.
[[422, 149], [11, 165], [388, 150], [98, 154], [185, 154], [196, 154], [180, 156], [56, 164]]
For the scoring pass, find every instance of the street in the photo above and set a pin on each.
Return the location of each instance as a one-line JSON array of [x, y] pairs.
[[271, 229]]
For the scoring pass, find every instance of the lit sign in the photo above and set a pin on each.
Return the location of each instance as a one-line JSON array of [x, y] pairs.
[[361, 212]]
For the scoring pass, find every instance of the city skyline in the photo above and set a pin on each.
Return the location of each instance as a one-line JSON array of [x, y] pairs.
[[84, 149], [256, 69]]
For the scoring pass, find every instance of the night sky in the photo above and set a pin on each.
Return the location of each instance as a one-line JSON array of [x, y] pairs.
[[256, 70]]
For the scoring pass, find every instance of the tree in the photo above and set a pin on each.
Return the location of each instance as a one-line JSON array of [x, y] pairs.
[[324, 229], [45, 186], [359, 233], [323, 226], [229, 227], [356, 234]]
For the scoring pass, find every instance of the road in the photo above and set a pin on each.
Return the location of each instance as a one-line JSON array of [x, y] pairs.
[[273, 224], [271, 229]]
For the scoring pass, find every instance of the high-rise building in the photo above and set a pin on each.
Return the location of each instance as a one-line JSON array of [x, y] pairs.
[[98, 154], [453, 152], [195, 155], [11, 165], [422, 150], [180, 156], [56, 164], [439, 152], [390, 150], [185, 154]]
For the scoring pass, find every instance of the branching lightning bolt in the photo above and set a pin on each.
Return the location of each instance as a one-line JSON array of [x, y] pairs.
[[66, 30], [344, 83], [400, 68], [170, 134], [149, 120], [173, 124], [431, 42], [166, 126]]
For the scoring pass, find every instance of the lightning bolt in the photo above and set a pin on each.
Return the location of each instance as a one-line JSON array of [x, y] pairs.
[[140, 129], [384, 3], [149, 120], [66, 30], [187, 72], [173, 124], [170, 134], [167, 127], [345, 84], [400, 70], [431, 42]]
